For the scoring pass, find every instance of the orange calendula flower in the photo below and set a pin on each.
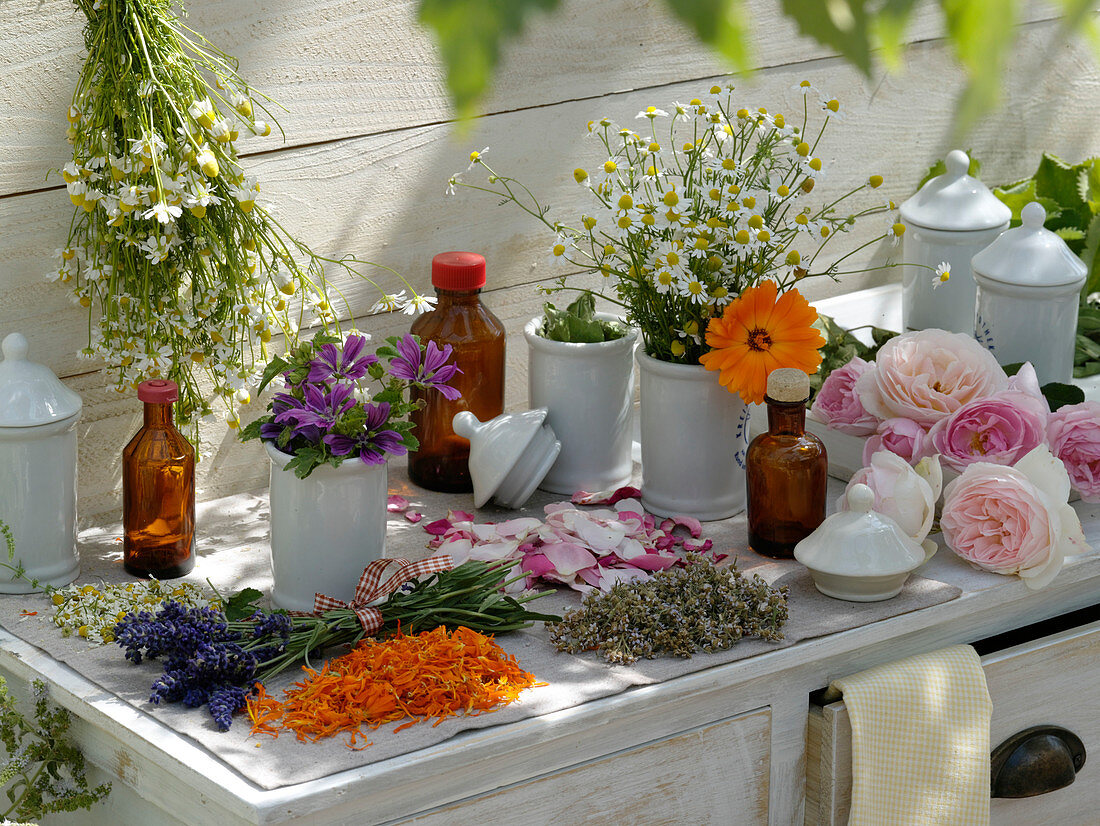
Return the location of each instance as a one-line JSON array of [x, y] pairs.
[[759, 332]]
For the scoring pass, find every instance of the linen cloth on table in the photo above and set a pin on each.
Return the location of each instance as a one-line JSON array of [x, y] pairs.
[[233, 554], [920, 741]]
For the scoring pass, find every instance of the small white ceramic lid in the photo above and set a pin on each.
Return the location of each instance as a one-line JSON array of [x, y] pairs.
[[30, 394], [955, 201], [496, 446], [1030, 255], [860, 542]]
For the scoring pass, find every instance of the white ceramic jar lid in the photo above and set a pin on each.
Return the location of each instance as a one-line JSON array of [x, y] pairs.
[[30, 394], [1030, 255], [509, 455], [955, 201], [860, 542]]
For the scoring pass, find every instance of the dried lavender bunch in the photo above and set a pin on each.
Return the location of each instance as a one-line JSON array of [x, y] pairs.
[[675, 612]]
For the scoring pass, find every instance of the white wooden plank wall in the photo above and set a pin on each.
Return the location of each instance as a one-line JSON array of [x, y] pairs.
[[371, 143]]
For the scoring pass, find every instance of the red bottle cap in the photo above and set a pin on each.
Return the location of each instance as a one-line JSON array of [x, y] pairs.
[[458, 271], [158, 391]]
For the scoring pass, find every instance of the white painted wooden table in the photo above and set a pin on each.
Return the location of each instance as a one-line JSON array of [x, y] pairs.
[[723, 745]]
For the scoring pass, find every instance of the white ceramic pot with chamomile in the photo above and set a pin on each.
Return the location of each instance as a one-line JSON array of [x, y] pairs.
[[1029, 285], [588, 392], [694, 436], [325, 528], [952, 217]]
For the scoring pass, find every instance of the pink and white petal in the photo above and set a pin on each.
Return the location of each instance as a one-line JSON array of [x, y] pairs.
[[519, 528], [460, 516], [439, 527], [413, 516], [458, 550], [536, 564], [611, 576], [396, 504], [493, 551], [693, 525], [568, 557], [486, 532], [592, 576], [600, 535], [698, 547], [653, 562]]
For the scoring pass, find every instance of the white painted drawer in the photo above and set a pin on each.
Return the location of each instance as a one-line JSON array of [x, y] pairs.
[[1054, 680], [716, 773]]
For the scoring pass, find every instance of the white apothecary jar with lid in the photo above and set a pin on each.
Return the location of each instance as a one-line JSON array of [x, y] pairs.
[[38, 416], [1029, 285], [950, 219]]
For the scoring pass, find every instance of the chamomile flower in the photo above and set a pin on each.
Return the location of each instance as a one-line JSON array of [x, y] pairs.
[[833, 109], [477, 158], [942, 274], [804, 87], [162, 212], [651, 112], [897, 229], [417, 304]]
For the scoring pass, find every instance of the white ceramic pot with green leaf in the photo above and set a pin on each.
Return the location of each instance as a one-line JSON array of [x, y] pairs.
[[581, 369]]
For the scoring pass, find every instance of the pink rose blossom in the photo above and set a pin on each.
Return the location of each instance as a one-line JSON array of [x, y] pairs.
[[1013, 520], [903, 437], [928, 375], [1074, 434], [906, 495], [1000, 429], [837, 405]]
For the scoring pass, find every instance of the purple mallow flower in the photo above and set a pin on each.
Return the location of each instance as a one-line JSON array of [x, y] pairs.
[[432, 371], [372, 443], [319, 409], [348, 363]]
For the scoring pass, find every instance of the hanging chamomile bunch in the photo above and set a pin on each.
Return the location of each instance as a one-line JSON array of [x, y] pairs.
[[185, 274]]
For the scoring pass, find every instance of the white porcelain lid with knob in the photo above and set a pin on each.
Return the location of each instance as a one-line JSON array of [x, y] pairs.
[[30, 393], [955, 201], [1030, 255], [860, 542], [509, 455]]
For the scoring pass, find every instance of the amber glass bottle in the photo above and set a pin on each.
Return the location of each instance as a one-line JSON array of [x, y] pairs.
[[158, 490], [786, 470], [477, 336]]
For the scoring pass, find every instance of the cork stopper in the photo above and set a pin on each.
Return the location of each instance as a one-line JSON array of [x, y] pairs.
[[788, 384]]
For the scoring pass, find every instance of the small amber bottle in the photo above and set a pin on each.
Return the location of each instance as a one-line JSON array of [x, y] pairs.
[[158, 490], [477, 336], [786, 470]]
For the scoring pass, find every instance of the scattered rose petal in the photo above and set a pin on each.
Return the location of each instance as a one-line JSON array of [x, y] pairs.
[[438, 527], [413, 516], [397, 504], [605, 497]]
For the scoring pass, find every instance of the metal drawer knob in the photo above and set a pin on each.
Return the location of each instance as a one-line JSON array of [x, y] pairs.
[[1035, 761]]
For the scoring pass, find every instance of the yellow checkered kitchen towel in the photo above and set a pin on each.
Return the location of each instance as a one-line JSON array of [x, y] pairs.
[[920, 741]]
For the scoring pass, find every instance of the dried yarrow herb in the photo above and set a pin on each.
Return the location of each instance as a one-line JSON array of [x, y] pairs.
[[675, 612]]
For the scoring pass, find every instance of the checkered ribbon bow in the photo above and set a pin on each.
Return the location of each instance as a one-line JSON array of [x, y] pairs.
[[371, 590]]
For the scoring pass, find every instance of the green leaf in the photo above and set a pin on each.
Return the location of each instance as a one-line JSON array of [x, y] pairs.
[[721, 24], [839, 24], [1091, 259], [275, 367], [940, 168], [1070, 234], [1022, 193], [981, 32], [242, 604], [470, 34], [1059, 395], [1057, 180], [888, 28]]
